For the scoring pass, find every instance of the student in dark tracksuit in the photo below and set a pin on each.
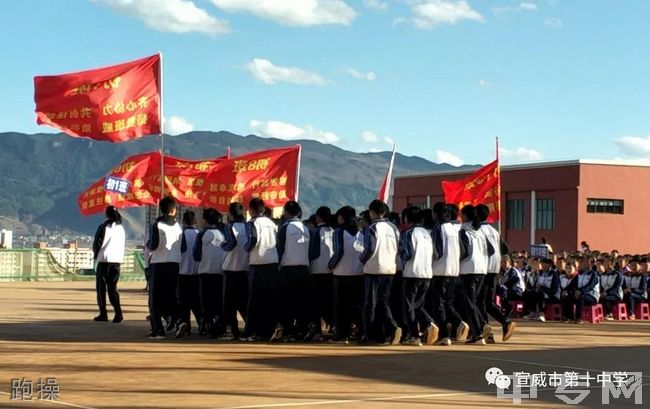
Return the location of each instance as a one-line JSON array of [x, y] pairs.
[[293, 257], [261, 238], [108, 253], [583, 291], [611, 281], [165, 246], [546, 291], [235, 266], [188, 279], [635, 285], [321, 250]]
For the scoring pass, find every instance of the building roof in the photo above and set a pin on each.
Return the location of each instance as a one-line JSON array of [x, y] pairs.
[[538, 165]]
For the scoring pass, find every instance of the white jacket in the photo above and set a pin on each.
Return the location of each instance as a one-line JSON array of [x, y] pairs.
[[476, 257], [417, 253], [381, 243], [111, 245]]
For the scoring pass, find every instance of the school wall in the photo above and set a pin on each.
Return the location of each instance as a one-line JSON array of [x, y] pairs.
[[629, 232]]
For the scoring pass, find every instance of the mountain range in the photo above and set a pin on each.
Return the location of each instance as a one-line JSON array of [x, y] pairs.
[[42, 174]]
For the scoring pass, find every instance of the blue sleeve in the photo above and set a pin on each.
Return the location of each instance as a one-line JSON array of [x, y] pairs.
[[618, 283], [555, 284], [465, 247], [643, 285], [183, 242], [511, 279], [154, 237], [437, 240], [593, 283], [314, 244], [197, 251], [368, 248], [406, 249], [251, 237], [281, 241], [99, 240], [231, 241], [338, 249]]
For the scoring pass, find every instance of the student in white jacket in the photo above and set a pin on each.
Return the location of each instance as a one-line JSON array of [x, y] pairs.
[[108, 252], [189, 300], [473, 269]]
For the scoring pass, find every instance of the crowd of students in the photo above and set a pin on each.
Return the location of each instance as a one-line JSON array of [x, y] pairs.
[[420, 277]]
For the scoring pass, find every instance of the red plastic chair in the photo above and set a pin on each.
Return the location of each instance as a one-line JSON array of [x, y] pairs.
[[553, 312], [620, 311], [593, 314], [642, 311]]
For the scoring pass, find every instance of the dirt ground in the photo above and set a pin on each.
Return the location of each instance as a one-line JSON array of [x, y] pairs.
[[46, 331]]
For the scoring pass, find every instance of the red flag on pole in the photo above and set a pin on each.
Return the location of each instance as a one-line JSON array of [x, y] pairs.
[[115, 104], [384, 190], [481, 186]]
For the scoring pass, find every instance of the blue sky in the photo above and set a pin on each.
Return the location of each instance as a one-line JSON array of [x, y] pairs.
[[555, 79]]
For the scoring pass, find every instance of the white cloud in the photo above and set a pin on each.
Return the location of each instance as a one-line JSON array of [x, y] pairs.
[[174, 16], [428, 14], [294, 12], [634, 145], [376, 5], [525, 6], [389, 141], [484, 83], [521, 154], [448, 157], [290, 132], [268, 73], [370, 137], [553, 22], [367, 76], [176, 125]]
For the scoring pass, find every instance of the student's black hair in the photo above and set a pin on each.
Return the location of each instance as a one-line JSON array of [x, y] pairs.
[[325, 214], [312, 220], [189, 218], [427, 219], [236, 210], [167, 205], [413, 215], [452, 212], [256, 206], [482, 211], [394, 218], [439, 210], [543, 240], [268, 212], [293, 208], [365, 215], [349, 215], [212, 216], [113, 215], [378, 207], [469, 212]]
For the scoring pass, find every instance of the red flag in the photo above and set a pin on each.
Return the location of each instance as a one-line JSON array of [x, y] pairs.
[[116, 103], [271, 175], [384, 190], [481, 186]]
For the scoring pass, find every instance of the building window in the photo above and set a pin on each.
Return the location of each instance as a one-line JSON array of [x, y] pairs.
[[422, 206], [612, 206], [515, 209], [545, 214]]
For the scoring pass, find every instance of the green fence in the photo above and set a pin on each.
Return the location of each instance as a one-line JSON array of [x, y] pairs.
[[54, 264]]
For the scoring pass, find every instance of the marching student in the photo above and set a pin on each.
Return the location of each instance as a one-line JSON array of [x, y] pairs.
[[611, 282], [188, 280], [209, 254], [446, 269], [381, 243], [293, 257], [108, 253], [263, 276], [417, 254], [165, 246], [584, 291], [635, 285], [235, 269], [396, 300], [321, 250], [487, 296], [513, 284], [348, 275], [473, 269], [546, 291]]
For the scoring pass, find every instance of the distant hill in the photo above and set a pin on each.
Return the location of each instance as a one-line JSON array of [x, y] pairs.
[[42, 174]]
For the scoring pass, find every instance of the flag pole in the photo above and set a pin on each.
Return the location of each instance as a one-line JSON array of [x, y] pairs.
[[499, 186], [298, 172], [162, 134]]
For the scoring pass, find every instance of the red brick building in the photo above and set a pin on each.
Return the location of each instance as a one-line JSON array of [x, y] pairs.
[[601, 202]]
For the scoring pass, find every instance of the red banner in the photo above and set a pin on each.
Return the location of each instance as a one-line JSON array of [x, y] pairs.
[[482, 186], [270, 175], [116, 103]]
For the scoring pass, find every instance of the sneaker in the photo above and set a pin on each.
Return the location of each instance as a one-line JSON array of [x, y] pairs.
[[445, 342], [412, 341], [156, 336], [101, 318], [277, 334], [475, 341], [579, 322], [609, 317], [170, 324], [339, 340], [432, 334], [182, 330], [118, 318], [490, 339], [531, 316], [508, 330], [252, 338], [397, 336], [541, 318], [462, 331], [227, 337], [487, 331], [631, 317]]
